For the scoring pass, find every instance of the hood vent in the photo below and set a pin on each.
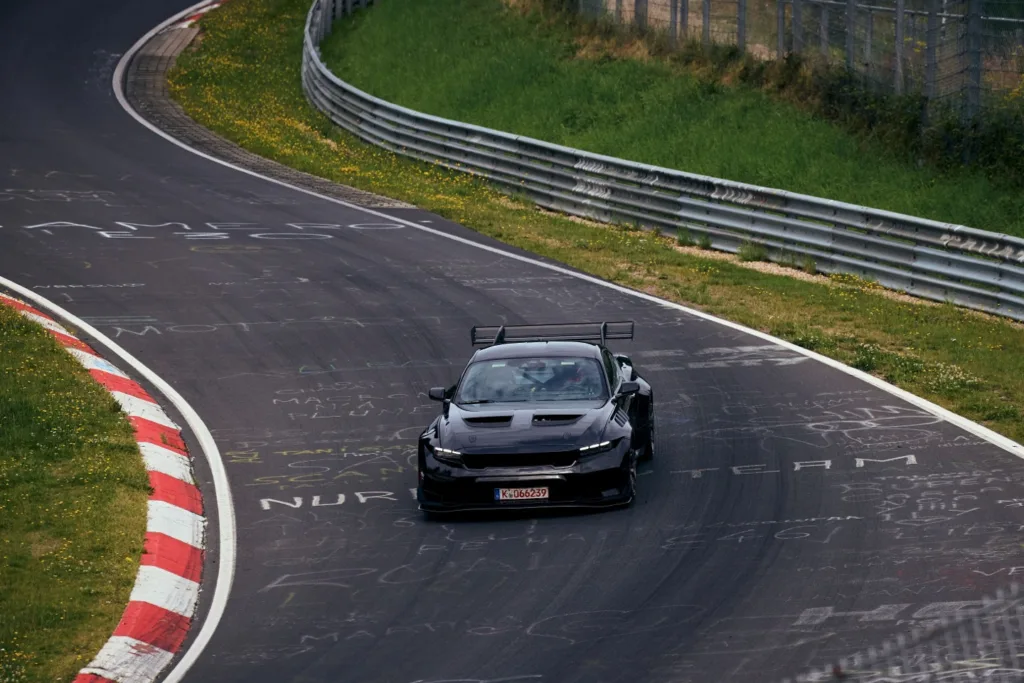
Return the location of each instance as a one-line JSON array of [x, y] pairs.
[[489, 421], [620, 418], [556, 419]]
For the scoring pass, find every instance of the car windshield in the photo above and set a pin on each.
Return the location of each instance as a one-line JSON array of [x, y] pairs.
[[532, 379]]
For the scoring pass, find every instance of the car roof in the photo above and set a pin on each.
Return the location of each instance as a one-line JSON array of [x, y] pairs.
[[550, 349]]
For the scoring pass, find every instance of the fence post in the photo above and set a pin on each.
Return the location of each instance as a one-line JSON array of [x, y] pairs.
[[973, 58], [673, 22], [823, 29], [780, 17], [640, 14], [741, 25], [618, 11], [798, 26], [684, 23], [900, 29], [931, 61], [869, 32], [851, 26], [706, 19]]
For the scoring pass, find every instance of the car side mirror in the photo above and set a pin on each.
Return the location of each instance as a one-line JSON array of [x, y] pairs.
[[623, 359], [627, 388], [438, 393]]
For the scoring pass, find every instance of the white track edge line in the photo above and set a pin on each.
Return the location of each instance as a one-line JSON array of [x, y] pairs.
[[227, 539], [967, 425], [222, 490]]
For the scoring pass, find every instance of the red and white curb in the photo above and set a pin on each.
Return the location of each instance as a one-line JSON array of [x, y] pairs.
[[194, 17], [166, 591]]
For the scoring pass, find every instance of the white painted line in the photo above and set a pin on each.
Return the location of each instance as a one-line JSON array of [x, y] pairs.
[[162, 588], [137, 407], [91, 362], [48, 324], [166, 461], [963, 423], [127, 660], [176, 522]]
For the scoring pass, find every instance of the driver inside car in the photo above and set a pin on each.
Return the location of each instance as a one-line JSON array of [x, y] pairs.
[[576, 379]]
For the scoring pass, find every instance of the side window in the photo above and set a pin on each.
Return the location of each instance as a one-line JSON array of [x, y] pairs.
[[612, 368]]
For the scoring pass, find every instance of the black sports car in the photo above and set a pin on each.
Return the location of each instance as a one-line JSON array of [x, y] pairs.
[[545, 415]]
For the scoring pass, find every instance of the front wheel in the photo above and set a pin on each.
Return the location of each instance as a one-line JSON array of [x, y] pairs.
[[631, 481], [648, 451]]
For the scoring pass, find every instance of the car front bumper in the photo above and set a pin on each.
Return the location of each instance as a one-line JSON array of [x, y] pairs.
[[596, 481]]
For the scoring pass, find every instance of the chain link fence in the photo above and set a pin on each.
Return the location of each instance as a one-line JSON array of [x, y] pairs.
[[962, 54]]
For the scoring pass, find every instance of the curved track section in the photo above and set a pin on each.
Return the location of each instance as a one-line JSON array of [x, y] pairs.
[[793, 514]]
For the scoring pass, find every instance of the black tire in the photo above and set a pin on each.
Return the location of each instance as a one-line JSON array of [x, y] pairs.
[[648, 450], [631, 482]]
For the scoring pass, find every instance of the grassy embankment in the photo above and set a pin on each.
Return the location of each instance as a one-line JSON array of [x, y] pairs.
[[242, 81], [541, 76], [73, 493]]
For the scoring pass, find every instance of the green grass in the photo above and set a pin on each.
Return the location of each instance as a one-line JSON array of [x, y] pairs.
[[73, 493], [243, 82], [476, 61]]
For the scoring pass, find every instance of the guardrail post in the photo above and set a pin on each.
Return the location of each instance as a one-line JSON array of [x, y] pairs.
[[706, 18], [798, 26], [901, 16], [780, 20], [974, 27], [823, 29], [931, 62]]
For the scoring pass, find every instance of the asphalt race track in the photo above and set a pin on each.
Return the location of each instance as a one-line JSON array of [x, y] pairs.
[[792, 514]]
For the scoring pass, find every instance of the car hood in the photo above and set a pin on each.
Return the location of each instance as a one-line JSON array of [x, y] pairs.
[[524, 428]]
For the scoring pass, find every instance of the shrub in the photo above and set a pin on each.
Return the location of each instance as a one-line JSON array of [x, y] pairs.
[[752, 251]]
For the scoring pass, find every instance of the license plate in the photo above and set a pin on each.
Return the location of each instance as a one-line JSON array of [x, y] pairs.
[[535, 493]]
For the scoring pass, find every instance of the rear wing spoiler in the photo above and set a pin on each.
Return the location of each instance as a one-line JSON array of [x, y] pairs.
[[491, 335]]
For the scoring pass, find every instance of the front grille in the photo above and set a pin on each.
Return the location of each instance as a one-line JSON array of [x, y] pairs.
[[482, 461]]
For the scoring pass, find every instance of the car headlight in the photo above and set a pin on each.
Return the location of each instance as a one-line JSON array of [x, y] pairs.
[[445, 454], [602, 447]]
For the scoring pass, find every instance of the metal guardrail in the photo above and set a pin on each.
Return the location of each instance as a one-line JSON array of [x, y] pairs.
[[938, 261]]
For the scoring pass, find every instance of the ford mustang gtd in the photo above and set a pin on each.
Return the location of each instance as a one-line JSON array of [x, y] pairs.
[[544, 415]]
